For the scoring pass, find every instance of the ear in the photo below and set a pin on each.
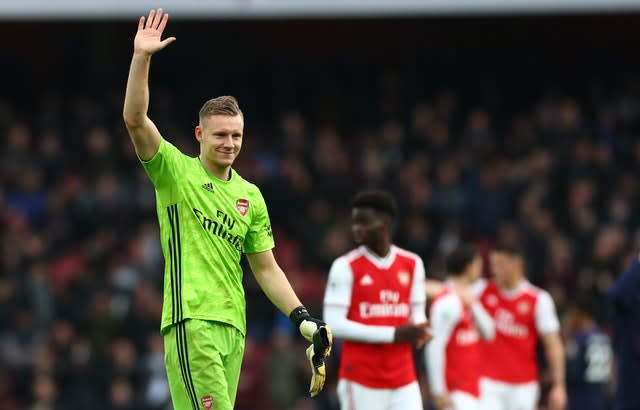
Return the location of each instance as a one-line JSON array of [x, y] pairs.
[[198, 132]]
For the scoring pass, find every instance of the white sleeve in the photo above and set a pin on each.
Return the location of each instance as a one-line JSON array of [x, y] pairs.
[[337, 300], [418, 297], [445, 314], [546, 317], [483, 321], [478, 287]]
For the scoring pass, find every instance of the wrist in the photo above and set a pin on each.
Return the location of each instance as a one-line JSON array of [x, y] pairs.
[[141, 54], [298, 314]]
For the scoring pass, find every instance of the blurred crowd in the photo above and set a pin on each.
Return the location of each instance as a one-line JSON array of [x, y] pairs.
[[81, 274]]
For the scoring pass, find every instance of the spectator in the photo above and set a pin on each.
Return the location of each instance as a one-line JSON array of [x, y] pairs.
[[625, 295]]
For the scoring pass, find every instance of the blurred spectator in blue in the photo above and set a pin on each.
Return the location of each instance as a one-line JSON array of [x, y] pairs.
[[589, 358], [625, 295]]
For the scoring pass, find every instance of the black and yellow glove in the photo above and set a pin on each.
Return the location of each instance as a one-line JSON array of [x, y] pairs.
[[319, 334]]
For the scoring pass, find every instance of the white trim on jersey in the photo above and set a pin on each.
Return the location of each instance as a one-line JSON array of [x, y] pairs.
[[337, 298], [446, 312], [383, 262]]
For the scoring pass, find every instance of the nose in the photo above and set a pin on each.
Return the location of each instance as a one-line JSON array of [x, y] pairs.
[[228, 141]]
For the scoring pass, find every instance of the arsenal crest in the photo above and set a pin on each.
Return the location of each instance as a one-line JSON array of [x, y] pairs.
[[523, 307], [242, 205], [404, 278], [207, 401]]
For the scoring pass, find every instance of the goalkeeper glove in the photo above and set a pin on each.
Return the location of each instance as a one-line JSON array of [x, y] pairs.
[[317, 332]]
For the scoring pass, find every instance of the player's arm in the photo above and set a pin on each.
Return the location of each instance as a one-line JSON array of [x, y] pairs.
[[418, 300], [481, 318], [276, 286], [445, 314], [273, 281], [549, 329], [143, 132], [337, 301]]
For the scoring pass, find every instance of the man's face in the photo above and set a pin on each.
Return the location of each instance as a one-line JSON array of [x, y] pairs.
[[367, 225], [220, 138], [504, 267], [475, 269]]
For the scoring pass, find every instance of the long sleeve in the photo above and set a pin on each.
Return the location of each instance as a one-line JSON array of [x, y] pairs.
[[483, 321], [418, 297], [337, 301], [445, 314]]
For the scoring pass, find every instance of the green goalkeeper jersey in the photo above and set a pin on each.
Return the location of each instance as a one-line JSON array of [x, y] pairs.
[[205, 225]]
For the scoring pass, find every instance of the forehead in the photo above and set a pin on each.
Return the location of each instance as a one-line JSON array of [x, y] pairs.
[[223, 122], [505, 255], [365, 214]]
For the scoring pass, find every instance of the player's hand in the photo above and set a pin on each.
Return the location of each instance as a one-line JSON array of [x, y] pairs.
[[417, 334], [442, 402], [557, 398], [148, 38], [319, 334], [318, 371]]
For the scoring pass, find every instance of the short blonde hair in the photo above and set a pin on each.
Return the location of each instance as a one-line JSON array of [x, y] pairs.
[[223, 105]]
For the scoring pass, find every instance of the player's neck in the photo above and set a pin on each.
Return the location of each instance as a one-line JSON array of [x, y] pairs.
[[222, 173], [380, 249], [513, 284], [460, 281]]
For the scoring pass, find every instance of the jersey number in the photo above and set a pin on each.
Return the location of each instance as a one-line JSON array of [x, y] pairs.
[[598, 360]]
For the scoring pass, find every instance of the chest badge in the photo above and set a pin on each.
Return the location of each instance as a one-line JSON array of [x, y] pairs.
[[492, 300], [242, 205], [404, 278], [523, 307]]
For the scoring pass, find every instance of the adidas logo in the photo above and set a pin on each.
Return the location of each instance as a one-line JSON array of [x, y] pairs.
[[366, 280], [208, 186]]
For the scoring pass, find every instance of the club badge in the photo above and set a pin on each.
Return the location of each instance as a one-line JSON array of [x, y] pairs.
[[404, 278], [207, 401], [242, 205]]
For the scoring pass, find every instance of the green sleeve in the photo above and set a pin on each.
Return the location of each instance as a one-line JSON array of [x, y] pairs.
[[259, 238], [163, 169]]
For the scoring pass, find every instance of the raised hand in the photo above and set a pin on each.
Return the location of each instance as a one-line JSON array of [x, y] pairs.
[[148, 38]]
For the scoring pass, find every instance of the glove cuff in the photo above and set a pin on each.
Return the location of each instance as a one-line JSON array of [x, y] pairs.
[[299, 314]]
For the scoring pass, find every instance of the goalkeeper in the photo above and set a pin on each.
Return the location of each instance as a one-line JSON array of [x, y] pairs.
[[208, 216]]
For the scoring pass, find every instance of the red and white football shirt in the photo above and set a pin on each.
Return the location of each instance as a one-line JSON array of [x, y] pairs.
[[520, 316], [366, 298], [454, 355]]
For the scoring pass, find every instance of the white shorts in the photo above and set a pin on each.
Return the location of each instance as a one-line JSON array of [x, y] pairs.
[[496, 395], [464, 401], [354, 396]]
